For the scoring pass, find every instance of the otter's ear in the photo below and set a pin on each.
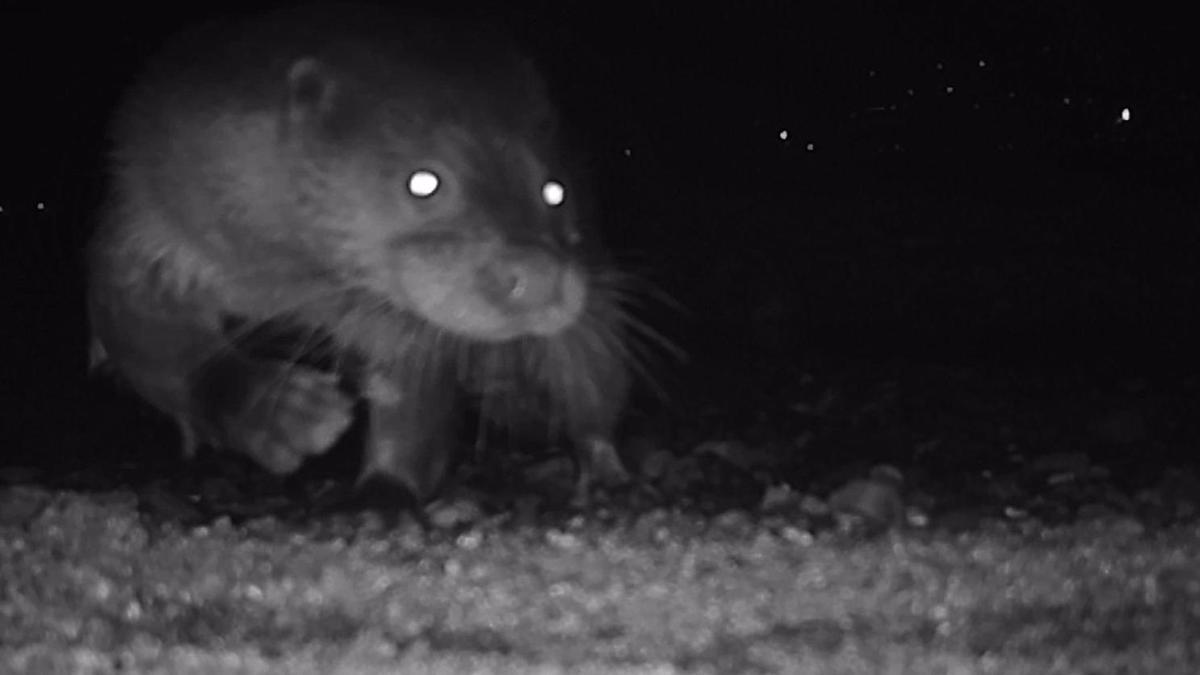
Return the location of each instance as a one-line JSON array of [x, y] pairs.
[[312, 91]]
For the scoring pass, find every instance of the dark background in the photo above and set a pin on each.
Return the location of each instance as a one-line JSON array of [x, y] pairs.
[[956, 184]]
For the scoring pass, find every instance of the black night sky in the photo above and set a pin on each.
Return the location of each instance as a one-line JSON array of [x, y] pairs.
[[1009, 183]]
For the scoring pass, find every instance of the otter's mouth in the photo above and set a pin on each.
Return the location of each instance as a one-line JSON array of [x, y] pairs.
[[491, 292]]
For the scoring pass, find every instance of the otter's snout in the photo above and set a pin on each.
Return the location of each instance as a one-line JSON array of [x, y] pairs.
[[522, 280]]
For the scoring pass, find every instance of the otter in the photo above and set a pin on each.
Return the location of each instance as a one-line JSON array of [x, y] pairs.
[[397, 189]]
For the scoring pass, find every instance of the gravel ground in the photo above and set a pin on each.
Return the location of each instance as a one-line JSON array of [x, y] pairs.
[[90, 586]]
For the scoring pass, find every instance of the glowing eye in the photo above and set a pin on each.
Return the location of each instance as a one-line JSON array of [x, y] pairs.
[[553, 193], [423, 183]]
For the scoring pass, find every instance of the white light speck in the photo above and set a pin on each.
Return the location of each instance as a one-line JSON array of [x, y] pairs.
[[911, 91], [1125, 114], [950, 89], [628, 152], [982, 63], [940, 66], [1066, 100], [41, 206], [871, 73], [783, 134], [1012, 94], [810, 147], [1, 209]]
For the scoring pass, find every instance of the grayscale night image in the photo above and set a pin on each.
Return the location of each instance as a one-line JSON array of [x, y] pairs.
[[600, 337]]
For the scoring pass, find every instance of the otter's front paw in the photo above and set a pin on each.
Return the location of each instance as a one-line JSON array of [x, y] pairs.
[[286, 413]]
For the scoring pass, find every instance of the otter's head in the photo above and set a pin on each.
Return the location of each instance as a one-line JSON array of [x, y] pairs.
[[440, 187]]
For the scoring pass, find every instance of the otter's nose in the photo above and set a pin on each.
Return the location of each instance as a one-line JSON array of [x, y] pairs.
[[523, 279]]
